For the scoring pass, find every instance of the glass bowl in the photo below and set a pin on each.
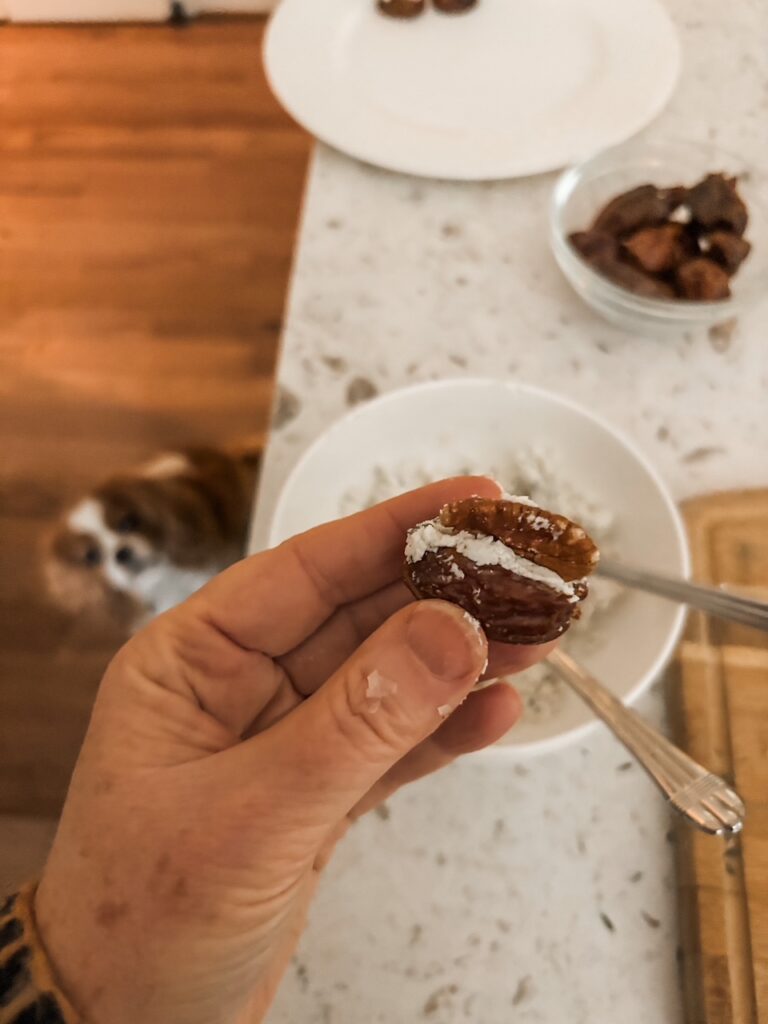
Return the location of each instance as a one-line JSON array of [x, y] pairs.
[[583, 190]]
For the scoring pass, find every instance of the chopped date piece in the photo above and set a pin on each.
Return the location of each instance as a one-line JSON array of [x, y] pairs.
[[638, 208], [637, 281], [703, 279], [659, 249], [595, 246], [727, 249], [602, 253], [714, 202]]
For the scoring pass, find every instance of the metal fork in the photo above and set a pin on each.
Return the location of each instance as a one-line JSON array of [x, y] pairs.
[[701, 797], [708, 599]]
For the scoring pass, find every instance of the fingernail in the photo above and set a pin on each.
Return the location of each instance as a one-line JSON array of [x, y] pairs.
[[447, 641], [493, 480]]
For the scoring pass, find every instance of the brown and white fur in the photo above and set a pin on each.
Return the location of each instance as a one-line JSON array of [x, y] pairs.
[[144, 541]]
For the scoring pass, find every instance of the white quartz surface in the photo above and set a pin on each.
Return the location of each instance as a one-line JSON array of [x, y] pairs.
[[499, 892], [538, 890]]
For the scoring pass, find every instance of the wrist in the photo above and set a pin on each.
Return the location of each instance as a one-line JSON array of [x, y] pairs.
[[29, 989]]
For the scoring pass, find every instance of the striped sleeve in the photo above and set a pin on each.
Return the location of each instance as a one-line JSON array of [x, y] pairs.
[[28, 991]]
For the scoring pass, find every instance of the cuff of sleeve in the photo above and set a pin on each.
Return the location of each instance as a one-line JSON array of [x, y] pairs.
[[29, 993]]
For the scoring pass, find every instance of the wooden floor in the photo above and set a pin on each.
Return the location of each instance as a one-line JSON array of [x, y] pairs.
[[149, 194]]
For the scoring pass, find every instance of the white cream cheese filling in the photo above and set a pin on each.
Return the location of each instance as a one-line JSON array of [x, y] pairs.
[[483, 550]]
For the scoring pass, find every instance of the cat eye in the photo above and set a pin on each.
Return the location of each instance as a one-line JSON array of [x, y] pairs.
[[91, 556], [128, 523]]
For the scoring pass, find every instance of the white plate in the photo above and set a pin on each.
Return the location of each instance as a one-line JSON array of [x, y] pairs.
[[482, 419], [511, 87]]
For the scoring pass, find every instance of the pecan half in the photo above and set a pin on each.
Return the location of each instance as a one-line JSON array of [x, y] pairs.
[[543, 537]]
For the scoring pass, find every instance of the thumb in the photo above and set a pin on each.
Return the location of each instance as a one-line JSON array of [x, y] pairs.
[[388, 697]]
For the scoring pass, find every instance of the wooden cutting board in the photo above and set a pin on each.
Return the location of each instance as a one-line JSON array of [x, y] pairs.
[[718, 696]]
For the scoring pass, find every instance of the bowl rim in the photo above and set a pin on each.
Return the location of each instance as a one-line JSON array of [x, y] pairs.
[[682, 310], [578, 733]]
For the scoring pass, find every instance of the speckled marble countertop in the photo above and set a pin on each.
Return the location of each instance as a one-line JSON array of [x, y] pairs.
[[542, 890]]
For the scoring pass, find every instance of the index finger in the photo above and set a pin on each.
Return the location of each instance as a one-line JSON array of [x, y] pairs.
[[274, 600]]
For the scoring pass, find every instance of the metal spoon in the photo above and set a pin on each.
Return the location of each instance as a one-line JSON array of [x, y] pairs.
[[701, 797], [707, 599]]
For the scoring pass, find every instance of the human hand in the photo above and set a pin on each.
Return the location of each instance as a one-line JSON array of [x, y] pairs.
[[232, 743]]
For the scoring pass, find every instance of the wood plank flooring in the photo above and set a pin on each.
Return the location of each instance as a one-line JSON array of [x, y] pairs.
[[149, 193]]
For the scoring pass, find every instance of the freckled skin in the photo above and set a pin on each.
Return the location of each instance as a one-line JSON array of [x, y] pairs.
[[108, 913], [231, 745], [163, 863]]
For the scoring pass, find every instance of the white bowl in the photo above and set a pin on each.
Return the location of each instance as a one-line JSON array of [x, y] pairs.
[[485, 419]]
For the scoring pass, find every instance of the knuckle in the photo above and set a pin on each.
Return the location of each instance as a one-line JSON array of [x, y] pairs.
[[369, 726]]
